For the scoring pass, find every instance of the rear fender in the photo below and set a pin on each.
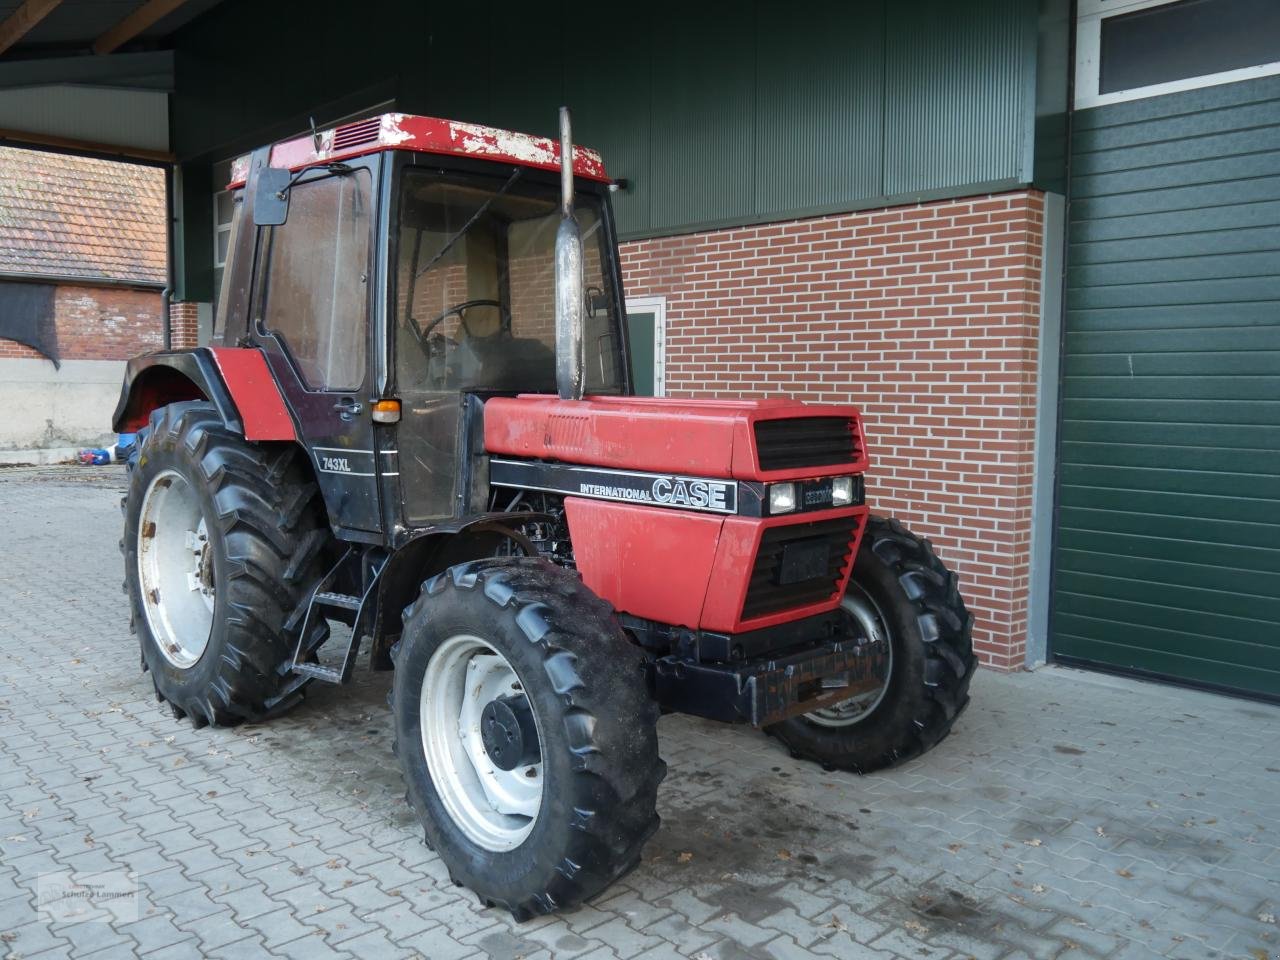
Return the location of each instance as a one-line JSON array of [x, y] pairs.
[[429, 552], [158, 379], [235, 380]]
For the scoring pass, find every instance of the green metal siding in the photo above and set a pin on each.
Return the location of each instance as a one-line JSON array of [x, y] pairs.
[[702, 151], [955, 73], [830, 105], [717, 113], [1168, 544]]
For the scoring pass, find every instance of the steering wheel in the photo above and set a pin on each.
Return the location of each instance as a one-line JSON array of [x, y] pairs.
[[461, 308]]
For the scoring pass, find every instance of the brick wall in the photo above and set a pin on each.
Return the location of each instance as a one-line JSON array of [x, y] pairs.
[[927, 318], [100, 323], [184, 325]]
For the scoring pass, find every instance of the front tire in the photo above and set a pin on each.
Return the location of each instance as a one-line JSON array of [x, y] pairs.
[[902, 596], [222, 538], [522, 647]]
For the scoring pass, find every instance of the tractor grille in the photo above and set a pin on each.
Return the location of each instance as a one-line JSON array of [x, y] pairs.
[[822, 549], [806, 442]]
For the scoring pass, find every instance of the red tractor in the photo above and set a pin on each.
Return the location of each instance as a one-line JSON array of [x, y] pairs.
[[416, 425]]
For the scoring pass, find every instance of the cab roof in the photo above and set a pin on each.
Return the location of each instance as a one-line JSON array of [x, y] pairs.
[[404, 131]]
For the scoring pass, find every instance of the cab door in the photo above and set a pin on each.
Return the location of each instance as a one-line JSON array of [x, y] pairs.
[[312, 311]]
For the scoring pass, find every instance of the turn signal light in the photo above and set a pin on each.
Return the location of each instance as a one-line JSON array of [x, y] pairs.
[[386, 411]]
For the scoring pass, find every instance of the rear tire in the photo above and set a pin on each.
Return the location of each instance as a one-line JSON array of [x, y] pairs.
[[899, 584], [566, 662], [251, 520]]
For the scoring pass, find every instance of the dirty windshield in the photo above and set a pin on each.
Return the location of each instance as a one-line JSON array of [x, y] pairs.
[[476, 286]]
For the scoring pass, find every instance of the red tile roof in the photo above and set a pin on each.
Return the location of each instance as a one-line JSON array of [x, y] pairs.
[[68, 216]]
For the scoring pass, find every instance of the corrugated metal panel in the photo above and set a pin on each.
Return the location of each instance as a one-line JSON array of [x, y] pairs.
[[134, 118], [818, 126], [623, 134], [526, 99], [703, 157], [1168, 552], [957, 84]]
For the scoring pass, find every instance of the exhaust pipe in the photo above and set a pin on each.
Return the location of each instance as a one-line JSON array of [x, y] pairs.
[[569, 294]]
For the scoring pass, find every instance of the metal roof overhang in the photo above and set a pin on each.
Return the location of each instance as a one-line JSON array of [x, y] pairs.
[[90, 76]]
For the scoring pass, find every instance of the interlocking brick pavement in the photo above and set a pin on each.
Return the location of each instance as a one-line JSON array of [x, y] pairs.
[[1069, 815]]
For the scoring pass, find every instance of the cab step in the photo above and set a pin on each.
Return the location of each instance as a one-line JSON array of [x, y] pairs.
[[319, 671], [331, 604], [342, 601]]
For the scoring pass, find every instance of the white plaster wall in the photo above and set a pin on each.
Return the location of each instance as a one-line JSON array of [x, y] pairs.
[[48, 413]]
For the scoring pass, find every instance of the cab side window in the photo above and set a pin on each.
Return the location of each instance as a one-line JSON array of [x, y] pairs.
[[315, 291]]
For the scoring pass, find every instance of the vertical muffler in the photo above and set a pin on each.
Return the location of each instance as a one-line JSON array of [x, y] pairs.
[[569, 294]]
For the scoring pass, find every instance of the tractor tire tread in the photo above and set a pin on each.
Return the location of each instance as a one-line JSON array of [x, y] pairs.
[[268, 510], [612, 797], [946, 628]]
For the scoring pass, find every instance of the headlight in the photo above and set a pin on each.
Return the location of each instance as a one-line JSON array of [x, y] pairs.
[[841, 491], [782, 497]]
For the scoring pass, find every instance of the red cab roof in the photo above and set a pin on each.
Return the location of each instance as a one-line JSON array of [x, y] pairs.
[[404, 131]]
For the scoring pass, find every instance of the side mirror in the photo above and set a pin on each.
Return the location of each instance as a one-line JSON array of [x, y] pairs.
[[271, 198]]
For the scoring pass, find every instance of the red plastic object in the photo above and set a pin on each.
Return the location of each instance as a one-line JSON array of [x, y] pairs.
[[735, 557], [646, 562], [683, 568], [253, 389], [708, 438]]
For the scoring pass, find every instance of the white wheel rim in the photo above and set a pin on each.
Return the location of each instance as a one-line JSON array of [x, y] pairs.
[[861, 608], [496, 809], [175, 569]]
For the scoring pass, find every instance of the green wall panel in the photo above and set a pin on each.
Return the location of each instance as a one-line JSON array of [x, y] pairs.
[[954, 74], [596, 86], [703, 157], [1168, 544], [818, 139], [717, 113]]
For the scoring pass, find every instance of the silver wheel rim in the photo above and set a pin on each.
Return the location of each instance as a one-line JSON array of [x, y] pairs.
[[862, 608], [175, 569], [496, 809]]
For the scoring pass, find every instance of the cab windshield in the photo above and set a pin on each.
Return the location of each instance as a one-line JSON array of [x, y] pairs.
[[475, 291]]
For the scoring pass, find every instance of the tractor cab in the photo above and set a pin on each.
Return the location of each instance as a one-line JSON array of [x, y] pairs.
[[398, 275]]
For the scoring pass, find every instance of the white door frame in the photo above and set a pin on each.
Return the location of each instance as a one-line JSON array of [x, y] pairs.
[[658, 307]]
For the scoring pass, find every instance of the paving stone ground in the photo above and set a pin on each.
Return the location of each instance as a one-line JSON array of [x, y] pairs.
[[1070, 815]]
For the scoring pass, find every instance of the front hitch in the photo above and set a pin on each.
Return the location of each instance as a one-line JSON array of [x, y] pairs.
[[770, 687]]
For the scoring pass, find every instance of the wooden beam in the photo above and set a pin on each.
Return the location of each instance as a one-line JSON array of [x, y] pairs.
[[107, 151], [20, 22], [143, 17]]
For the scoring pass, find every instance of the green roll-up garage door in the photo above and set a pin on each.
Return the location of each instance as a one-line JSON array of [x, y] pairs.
[[1168, 543]]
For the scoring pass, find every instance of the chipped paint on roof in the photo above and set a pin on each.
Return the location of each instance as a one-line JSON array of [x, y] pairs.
[[405, 131], [473, 138], [391, 132]]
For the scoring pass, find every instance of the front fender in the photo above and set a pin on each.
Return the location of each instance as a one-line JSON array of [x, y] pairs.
[[426, 553]]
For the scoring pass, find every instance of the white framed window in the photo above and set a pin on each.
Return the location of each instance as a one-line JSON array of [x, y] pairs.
[[1131, 49], [647, 340]]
